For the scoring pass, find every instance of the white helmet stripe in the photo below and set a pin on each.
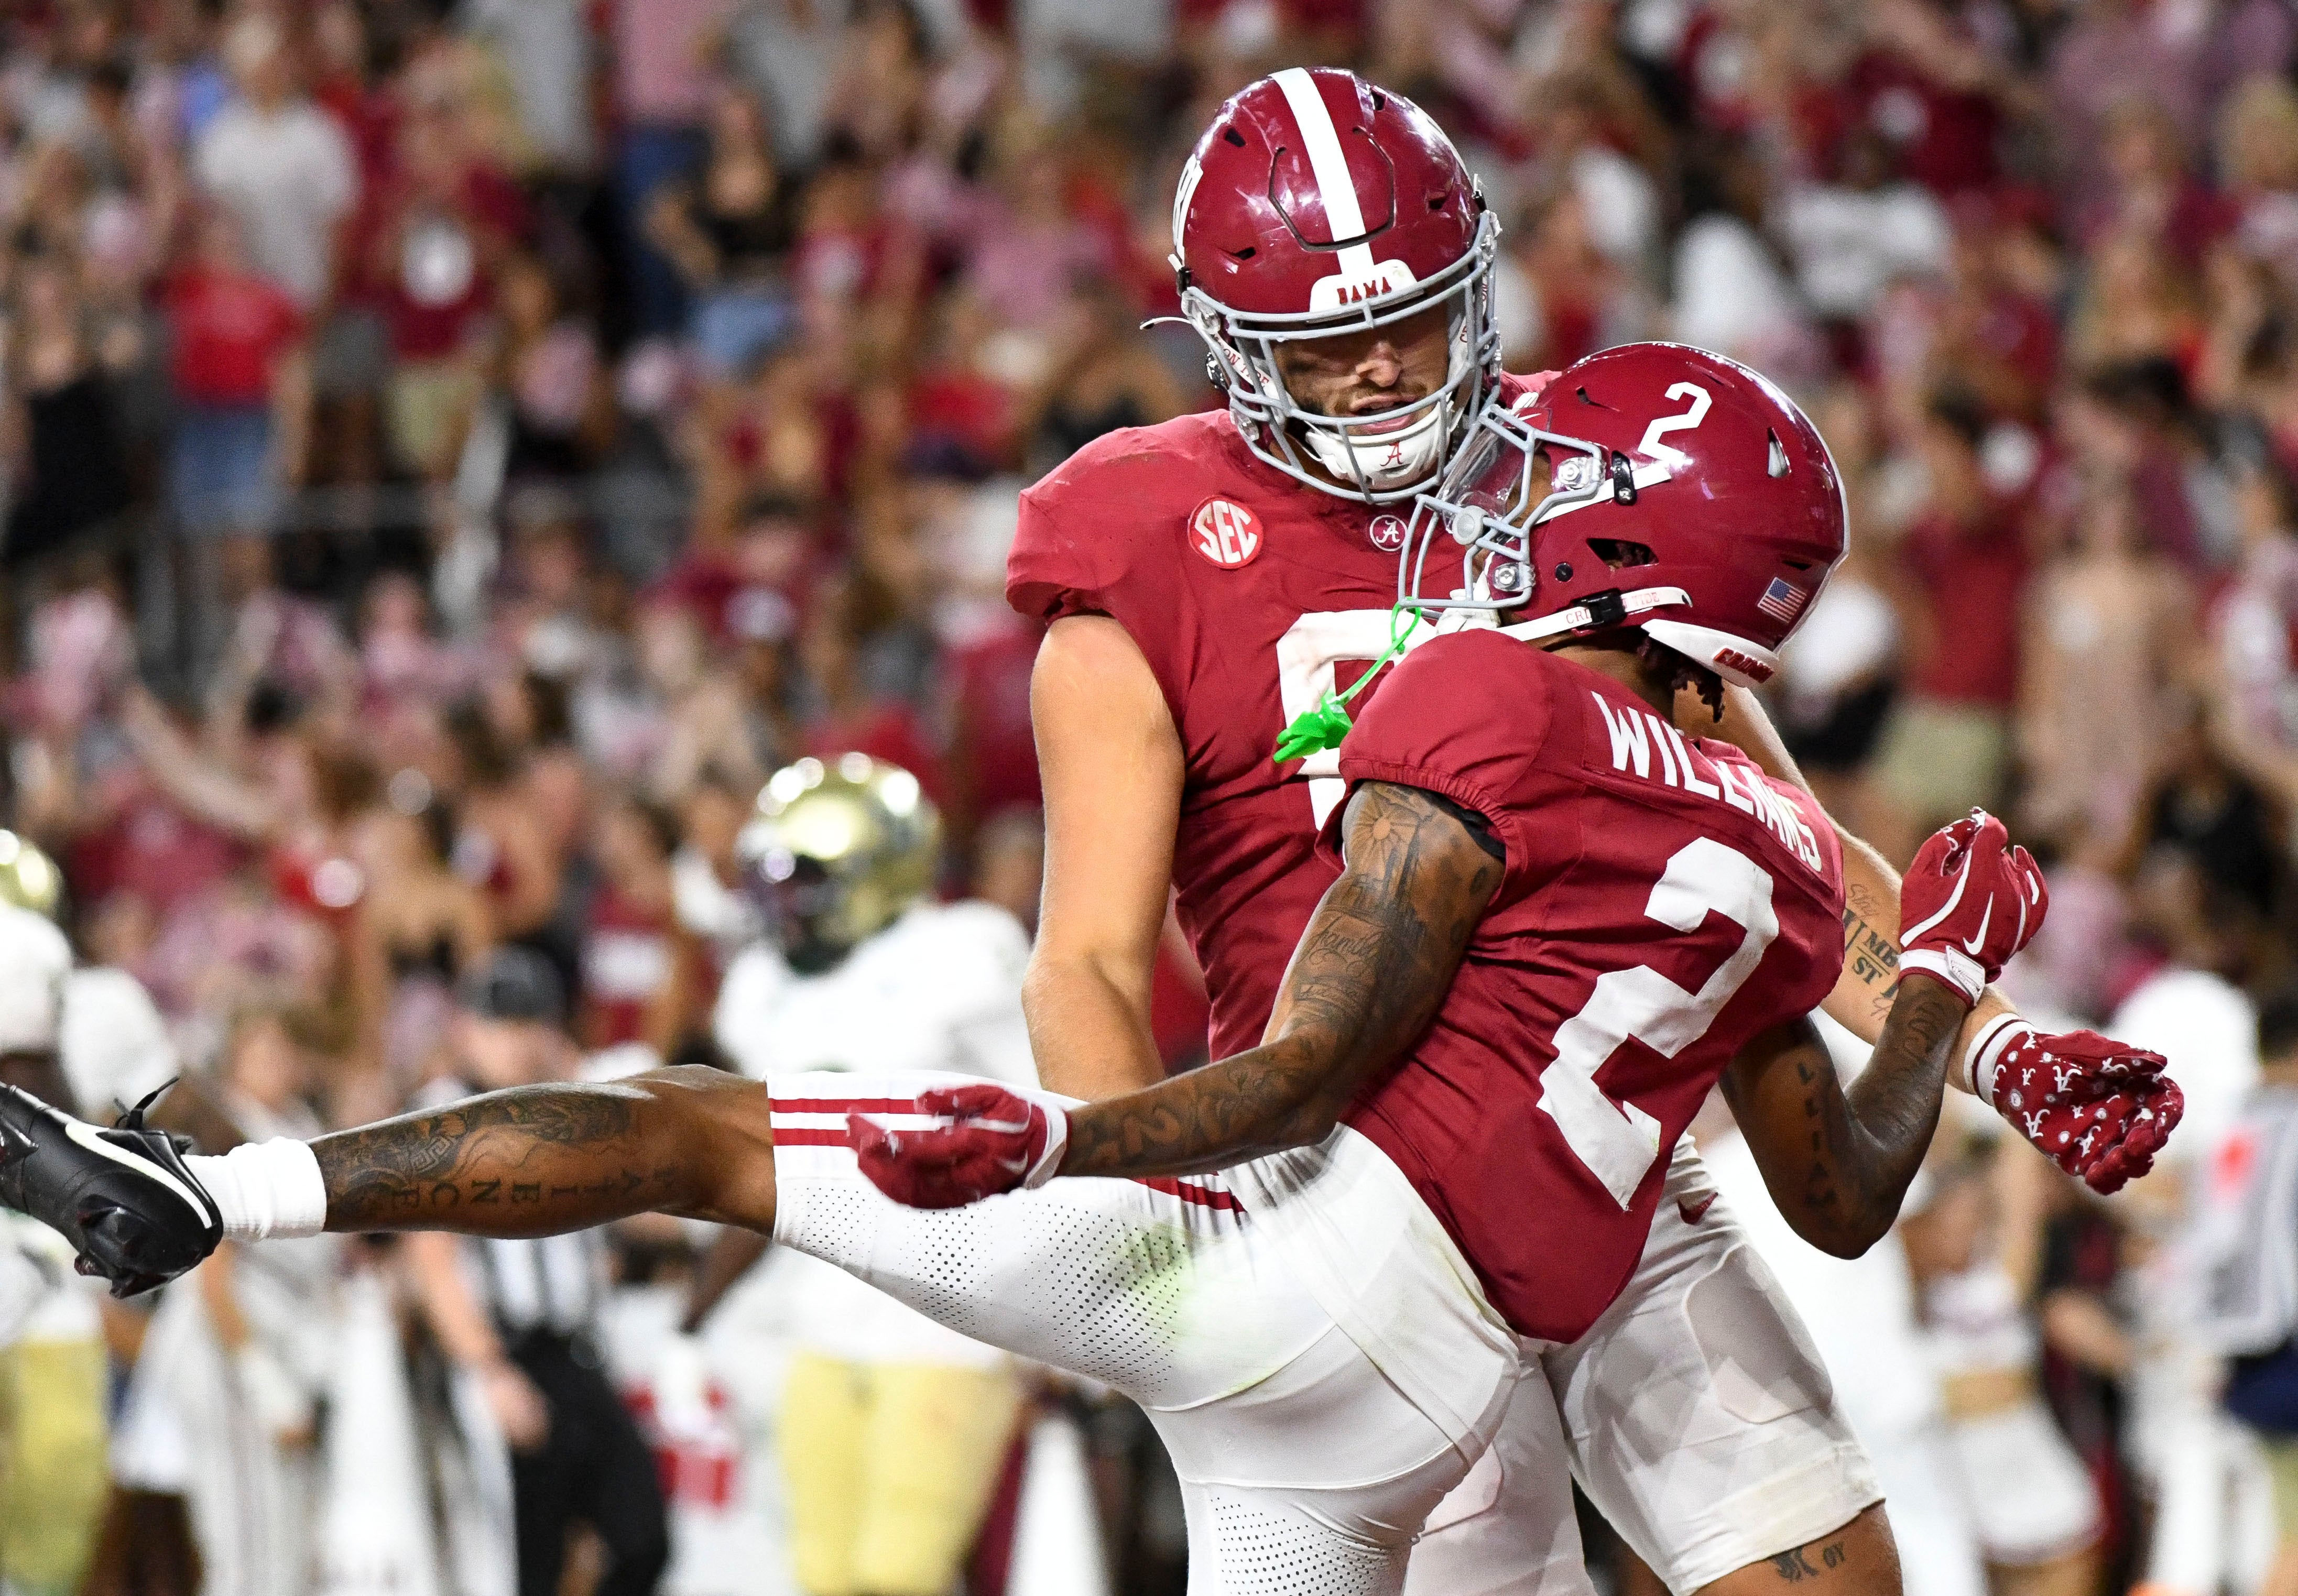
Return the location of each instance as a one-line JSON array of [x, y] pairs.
[[1321, 141]]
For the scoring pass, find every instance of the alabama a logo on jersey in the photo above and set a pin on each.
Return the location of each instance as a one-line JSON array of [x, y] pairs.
[[1226, 533]]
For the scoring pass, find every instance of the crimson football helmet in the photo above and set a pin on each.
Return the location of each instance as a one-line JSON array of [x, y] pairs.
[[1318, 204], [1653, 485]]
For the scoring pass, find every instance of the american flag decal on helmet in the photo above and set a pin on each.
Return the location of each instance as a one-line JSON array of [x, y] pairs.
[[1781, 601]]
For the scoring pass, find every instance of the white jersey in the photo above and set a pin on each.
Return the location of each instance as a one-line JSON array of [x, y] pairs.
[[41, 1297], [941, 988], [938, 989]]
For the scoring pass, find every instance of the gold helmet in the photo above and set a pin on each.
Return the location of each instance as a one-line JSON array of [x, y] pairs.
[[838, 849], [28, 877]]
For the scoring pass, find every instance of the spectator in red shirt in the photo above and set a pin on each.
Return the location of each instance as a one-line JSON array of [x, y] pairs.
[[241, 383], [1963, 567]]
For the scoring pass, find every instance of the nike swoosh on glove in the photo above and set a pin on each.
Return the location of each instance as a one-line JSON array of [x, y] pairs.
[[2099, 1109], [992, 1141], [1967, 903]]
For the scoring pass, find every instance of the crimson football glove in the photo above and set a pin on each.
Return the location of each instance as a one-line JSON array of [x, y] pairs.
[[994, 1141], [2098, 1108], [1967, 903]]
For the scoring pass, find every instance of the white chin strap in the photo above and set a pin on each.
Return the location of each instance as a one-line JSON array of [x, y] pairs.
[[1571, 620], [1386, 459]]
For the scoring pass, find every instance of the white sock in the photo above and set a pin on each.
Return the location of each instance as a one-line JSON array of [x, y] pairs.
[[265, 1190]]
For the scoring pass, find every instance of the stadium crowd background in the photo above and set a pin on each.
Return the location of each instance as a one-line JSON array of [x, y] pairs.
[[453, 453]]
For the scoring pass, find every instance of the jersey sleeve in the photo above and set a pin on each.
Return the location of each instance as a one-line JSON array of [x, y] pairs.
[[1063, 561], [1465, 717], [1102, 536]]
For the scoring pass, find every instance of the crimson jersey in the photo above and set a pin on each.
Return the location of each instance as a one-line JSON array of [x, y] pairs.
[[1663, 903], [1250, 596]]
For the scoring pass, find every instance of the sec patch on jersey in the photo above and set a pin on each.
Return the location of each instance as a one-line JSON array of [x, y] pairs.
[[1226, 533]]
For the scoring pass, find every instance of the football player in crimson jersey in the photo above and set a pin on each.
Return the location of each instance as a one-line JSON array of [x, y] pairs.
[[1210, 580], [1557, 921]]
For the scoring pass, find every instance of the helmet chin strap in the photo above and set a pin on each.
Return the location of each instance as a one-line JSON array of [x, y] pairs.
[[1582, 616]]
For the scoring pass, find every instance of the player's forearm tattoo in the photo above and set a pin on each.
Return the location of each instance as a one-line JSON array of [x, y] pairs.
[[529, 1161], [1369, 975]]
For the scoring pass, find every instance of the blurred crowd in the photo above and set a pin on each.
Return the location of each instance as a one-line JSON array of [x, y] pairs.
[[453, 452]]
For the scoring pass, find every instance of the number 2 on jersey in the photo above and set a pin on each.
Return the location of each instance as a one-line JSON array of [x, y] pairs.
[[1616, 1139]]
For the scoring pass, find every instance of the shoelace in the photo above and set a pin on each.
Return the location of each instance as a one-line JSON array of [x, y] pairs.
[[132, 1120]]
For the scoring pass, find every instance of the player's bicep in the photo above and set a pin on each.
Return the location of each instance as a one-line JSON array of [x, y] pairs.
[[1110, 758], [1381, 950]]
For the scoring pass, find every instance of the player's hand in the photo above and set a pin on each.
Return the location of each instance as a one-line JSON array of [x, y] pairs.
[[1967, 903], [2098, 1108], [994, 1141]]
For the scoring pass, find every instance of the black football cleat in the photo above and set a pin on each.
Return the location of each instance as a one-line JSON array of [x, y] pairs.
[[123, 1197]]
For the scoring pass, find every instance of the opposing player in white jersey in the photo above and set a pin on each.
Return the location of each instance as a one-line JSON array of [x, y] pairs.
[[52, 1372], [1217, 580], [892, 1429]]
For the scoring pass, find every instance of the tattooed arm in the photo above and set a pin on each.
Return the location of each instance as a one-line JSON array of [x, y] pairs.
[[1838, 1163], [1370, 973], [1865, 992], [1861, 1002], [536, 1160]]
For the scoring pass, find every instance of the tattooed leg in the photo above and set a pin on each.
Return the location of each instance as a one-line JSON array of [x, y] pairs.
[[1858, 1559], [539, 1160]]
